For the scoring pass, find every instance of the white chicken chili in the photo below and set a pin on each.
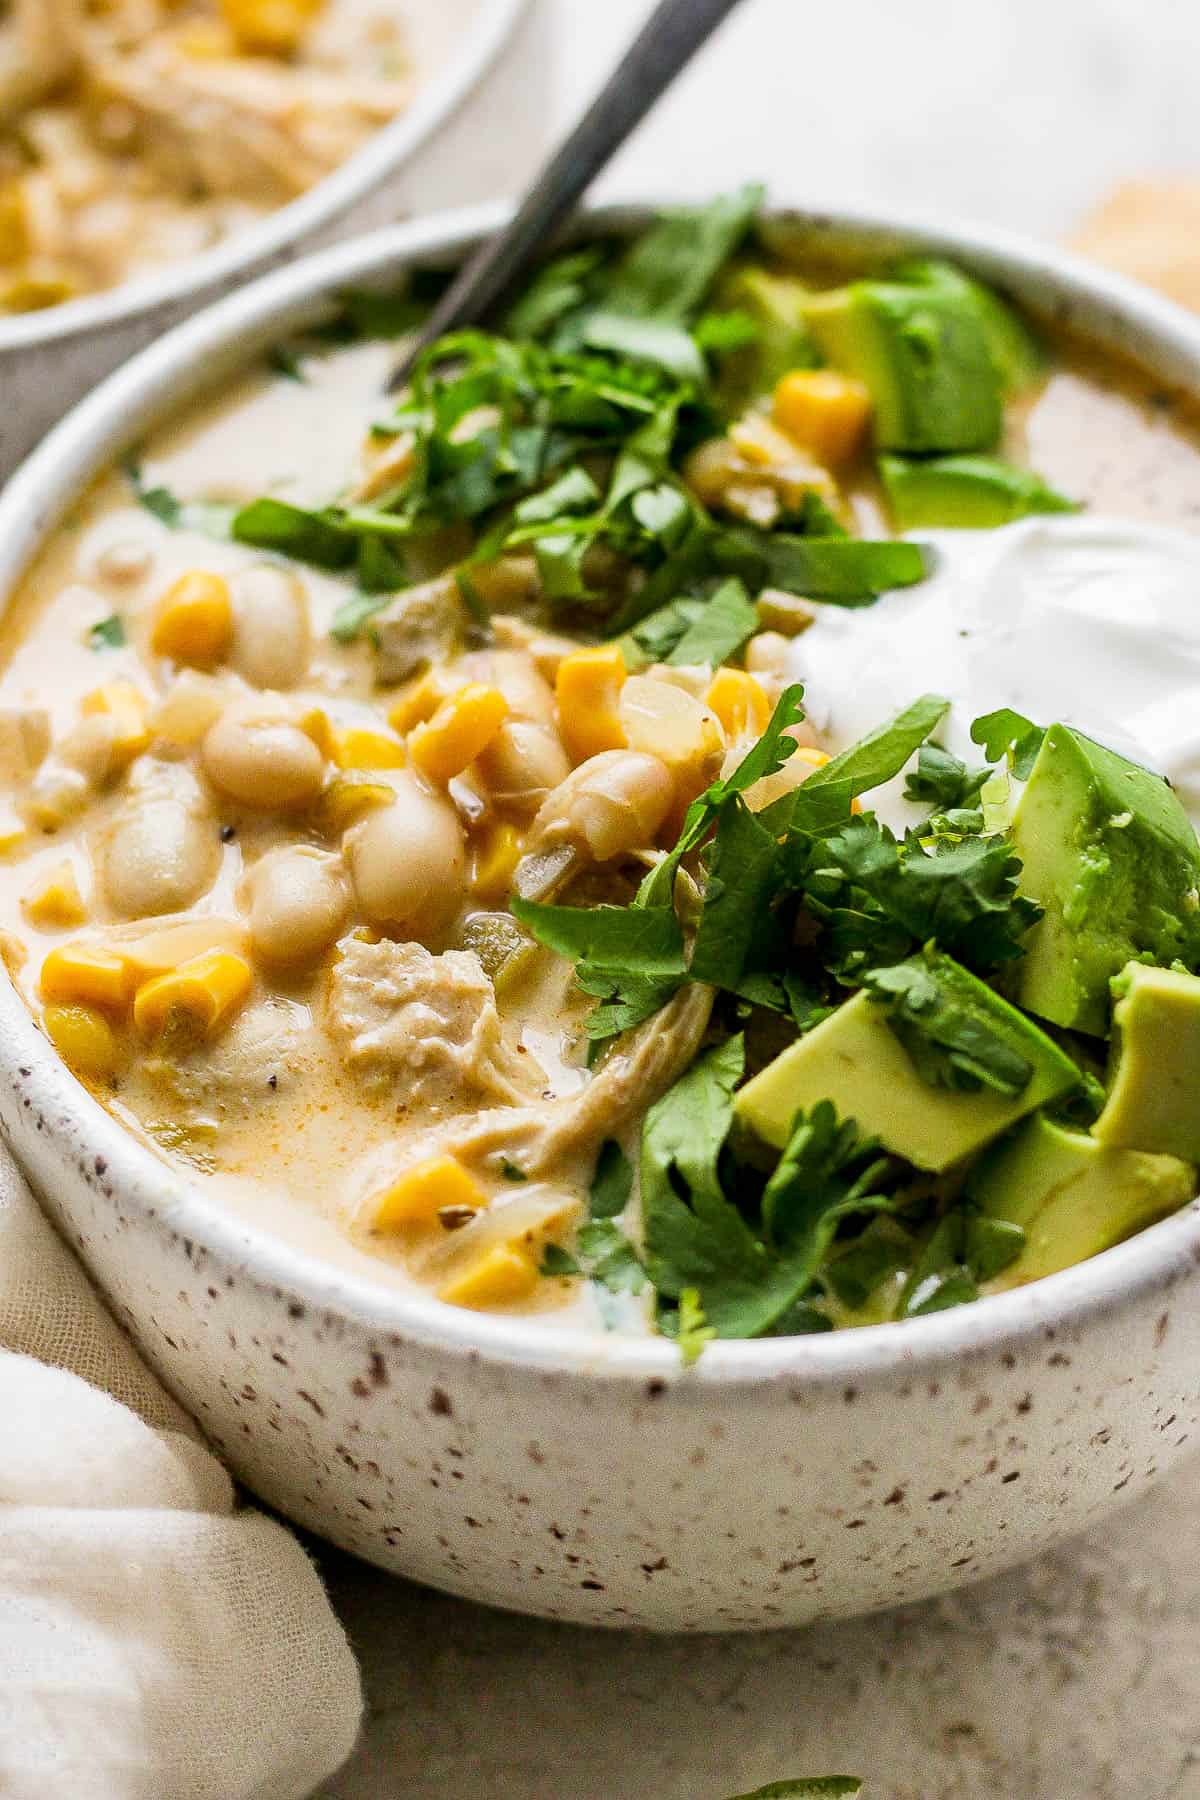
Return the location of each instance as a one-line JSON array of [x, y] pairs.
[[414, 826], [136, 133]]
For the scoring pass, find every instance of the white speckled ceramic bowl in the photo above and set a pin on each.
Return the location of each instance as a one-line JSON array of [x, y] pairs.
[[50, 359], [590, 1478]]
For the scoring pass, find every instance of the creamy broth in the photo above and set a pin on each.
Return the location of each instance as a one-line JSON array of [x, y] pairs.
[[314, 1092]]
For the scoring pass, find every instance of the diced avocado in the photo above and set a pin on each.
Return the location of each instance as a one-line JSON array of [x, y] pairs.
[[1154, 1086], [1111, 857], [1014, 350], [776, 303], [969, 492], [1071, 1195], [855, 1059], [928, 343]]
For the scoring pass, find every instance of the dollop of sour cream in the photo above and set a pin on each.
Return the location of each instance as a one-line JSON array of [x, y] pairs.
[[1092, 621]]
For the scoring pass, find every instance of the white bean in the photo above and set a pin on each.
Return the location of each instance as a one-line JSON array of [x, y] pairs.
[[299, 899], [272, 633], [408, 863], [259, 757], [162, 850], [523, 762], [610, 805]]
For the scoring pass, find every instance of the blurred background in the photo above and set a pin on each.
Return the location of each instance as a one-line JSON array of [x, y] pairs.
[[1022, 113]]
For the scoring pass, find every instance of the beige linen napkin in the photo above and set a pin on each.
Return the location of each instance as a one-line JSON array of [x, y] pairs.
[[157, 1640]]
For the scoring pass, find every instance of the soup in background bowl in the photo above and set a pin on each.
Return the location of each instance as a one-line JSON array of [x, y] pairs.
[[567, 843]]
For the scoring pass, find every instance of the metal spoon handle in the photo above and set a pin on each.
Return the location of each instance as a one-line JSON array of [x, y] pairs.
[[670, 38]]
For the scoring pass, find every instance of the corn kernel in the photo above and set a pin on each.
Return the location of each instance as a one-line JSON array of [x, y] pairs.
[[207, 988], [496, 857], [418, 702], [740, 703], [826, 412], [165, 948], [56, 900], [194, 623], [207, 40], [422, 1192], [273, 27], [501, 1275], [83, 1038], [588, 689], [359, 748], [347, 800], [12, 832], [458, 732], [88, 974], [127, 705]]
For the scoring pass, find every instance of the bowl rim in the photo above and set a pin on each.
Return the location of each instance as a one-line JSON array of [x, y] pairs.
[[434, 103], [83, 1139]]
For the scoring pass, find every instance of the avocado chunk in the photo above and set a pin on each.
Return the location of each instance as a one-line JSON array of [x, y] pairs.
[[937, 351], [1014, 350], [857, 1059], [1072, 1195], [1111, 857], [776, 303], [1154, 1079], [967, 492]]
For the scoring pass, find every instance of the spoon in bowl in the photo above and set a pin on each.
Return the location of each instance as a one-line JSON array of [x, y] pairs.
[[667, 42]]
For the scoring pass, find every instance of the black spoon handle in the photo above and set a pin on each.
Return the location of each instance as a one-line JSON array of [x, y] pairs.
[[670, 38]]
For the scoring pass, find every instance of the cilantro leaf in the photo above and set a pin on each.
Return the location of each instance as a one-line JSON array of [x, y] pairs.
[[107, 634], [963, 1250], [720, 629], [951, 1043], [737, 893], [764, 758], [667, 271], [826, 796], [838, 568], [1008, 733], [557, 1261], [963, 893], [718, 333], [317, 537], [943, 781], [692, 1329], [612, 1182], [559, 287], [159, 501], [697, 1239], [629, 957]]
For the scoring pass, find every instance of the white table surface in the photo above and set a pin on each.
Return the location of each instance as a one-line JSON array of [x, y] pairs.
[[1077, 1678]]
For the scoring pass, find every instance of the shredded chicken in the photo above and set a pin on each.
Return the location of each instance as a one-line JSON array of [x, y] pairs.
[[424, 1026], [559, 1139]]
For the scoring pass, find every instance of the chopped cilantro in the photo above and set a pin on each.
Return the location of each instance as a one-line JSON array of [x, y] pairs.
[[952, 1044], [612, 1182], [107, 634], [1008, 733], [943, 781], [746, 1278], [159, 501]]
